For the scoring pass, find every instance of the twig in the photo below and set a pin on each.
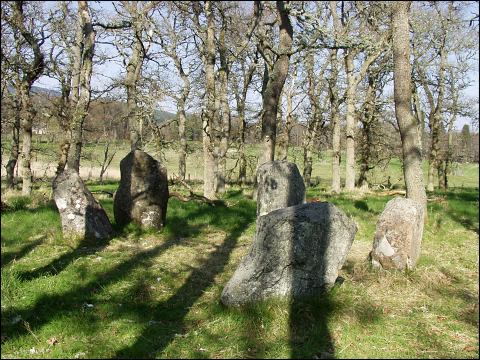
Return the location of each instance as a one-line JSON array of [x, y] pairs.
[[27, 326], [193, 196], [110, 194]]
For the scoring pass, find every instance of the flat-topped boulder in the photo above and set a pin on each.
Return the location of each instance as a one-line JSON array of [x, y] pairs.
[[398, 235], [142, 196], [280, 185], [81, 214], [297, 251]]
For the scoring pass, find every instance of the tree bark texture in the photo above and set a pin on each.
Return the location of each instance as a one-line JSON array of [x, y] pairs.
[[335, 121], [224, 114], [274, 84], [15, 149], [209, 113], [350, 146], [412, 160], [367, 131], [30, 73], [83, 57]]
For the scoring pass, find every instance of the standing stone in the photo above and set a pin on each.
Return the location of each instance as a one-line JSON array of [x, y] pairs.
[[142, 196], [80, 212], [398, 236], [279, 185], [296, 251]]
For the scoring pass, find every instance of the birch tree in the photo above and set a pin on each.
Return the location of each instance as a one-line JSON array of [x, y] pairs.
[[29, 36], [369, 40]]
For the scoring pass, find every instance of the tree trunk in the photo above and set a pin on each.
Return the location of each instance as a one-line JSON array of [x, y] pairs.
[[64, 148], [182, 155], [84, 50], [367, 131], [15, 150], [285, 141], [182, 120], [242, 162], [274, 84], [350, 146], [224, 112], [30, 73], [312, 123], [134, 69], [434, 151], [335, 121], [209, 113], [26, 123], [412, 160]]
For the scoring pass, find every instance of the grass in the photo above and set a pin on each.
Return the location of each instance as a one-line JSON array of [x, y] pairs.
[[463, 175], [155, 294]]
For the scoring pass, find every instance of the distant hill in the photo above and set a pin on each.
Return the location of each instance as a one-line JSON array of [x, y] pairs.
[[49, 92], [160, 115], [37, 90]]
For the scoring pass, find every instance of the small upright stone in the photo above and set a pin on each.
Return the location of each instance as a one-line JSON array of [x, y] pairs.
[[142, 196], [80, 212], [398, 236], [280, 185], [297, 251]]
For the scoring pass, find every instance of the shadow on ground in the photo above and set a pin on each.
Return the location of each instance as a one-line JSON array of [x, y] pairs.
[[231, 220]]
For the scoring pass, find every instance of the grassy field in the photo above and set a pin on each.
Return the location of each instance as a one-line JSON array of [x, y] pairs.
[[156, 294], [45, 157]]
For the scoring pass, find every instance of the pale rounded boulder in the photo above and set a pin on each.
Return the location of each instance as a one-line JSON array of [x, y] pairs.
[[398, 235], [80, 213]]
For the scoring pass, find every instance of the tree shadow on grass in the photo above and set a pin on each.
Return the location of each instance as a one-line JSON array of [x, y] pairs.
[[463, 208], [8, 257], [57, 265], [151, 341], [154, 339], [309, 330]]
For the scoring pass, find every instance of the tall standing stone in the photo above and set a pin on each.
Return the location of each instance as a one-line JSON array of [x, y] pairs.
[[279, 185], [80, 212], [142, 196], [297, 251], [398, 236]]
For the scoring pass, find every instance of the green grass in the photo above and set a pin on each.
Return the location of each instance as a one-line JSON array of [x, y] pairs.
[[463, 175], [155, 294]]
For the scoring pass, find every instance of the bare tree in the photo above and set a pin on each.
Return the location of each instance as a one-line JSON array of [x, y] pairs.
[[83, 51], [289, 92], [173, 38], [440, 42], [29, 37], [334, 119], [372, 42], [247, 67], [275, 72], [374, 145], [316, 121], [133, 30], [222, 106], [412, 160]]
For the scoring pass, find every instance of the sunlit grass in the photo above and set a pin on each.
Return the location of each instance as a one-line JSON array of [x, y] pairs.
[[146, 294]]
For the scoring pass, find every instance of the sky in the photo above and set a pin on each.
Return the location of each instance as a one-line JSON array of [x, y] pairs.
[[102, 72]]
